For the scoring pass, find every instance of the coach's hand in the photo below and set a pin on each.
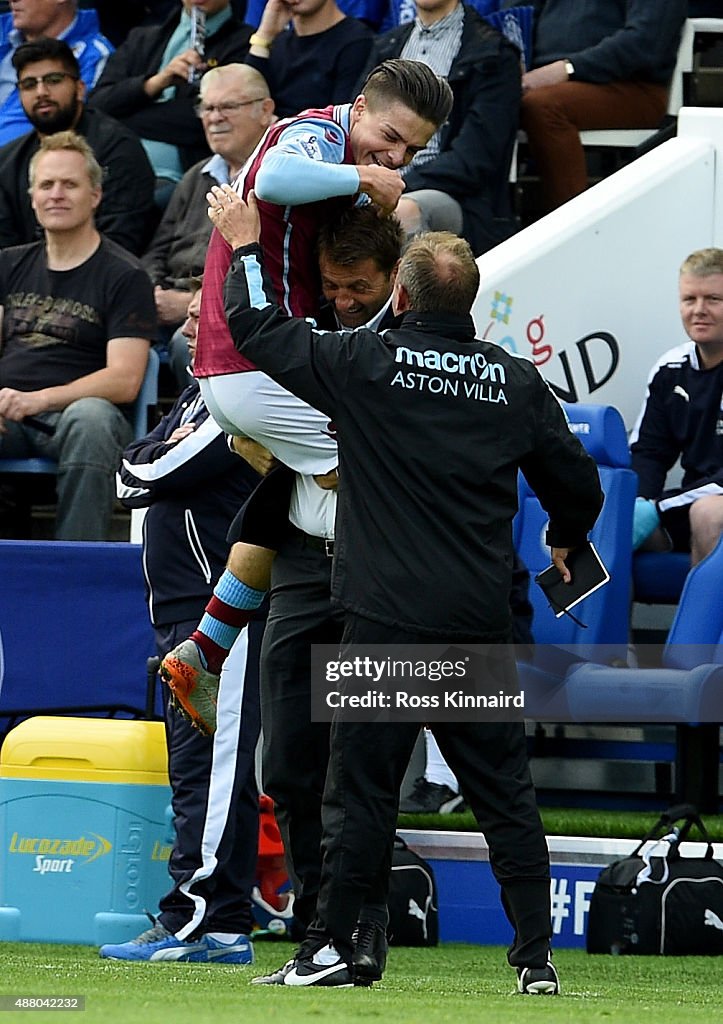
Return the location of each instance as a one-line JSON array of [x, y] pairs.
[[383, 185], [238, 221], [558, 559]]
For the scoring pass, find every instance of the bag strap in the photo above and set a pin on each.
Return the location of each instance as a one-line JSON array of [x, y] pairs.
[[680, 812]]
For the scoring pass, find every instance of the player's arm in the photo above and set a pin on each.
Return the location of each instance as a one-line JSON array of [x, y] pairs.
[[307, 165]]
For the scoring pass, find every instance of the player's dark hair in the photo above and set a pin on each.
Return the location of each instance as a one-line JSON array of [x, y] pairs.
[[412, 83]]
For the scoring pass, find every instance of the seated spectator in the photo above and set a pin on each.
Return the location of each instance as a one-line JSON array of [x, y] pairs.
[[31, 20], [235, 110], [682, 416], [460, 181], [149, 84], [206, 915], [52, 94], [312, 62], [595, 65], [117, 19], [77, 319]]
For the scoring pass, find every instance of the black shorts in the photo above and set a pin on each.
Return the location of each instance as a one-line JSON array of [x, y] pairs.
[[676, 523]]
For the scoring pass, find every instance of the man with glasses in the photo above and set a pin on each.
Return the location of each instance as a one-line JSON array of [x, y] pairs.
[[150, 83], [235, 110], [52, 93], [29, 20]]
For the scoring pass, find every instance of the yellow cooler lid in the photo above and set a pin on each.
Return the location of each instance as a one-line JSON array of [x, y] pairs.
[[86, 750]]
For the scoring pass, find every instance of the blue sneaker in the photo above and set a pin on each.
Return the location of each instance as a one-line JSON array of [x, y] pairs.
[[158, 945]]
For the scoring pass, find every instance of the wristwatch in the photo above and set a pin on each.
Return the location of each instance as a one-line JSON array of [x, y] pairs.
[[570, 68]]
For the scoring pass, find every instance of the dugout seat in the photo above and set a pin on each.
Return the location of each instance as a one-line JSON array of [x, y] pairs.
[[687, 689], [602, 630]]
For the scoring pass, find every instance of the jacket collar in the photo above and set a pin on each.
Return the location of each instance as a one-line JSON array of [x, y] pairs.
[[458, 327]]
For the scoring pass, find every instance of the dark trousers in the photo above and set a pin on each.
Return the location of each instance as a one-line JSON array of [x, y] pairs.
[[215, 806], [553, 117], [361, 801], [296, 750]]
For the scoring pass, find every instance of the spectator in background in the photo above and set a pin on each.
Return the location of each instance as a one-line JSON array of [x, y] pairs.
[[312, 62], [52, 96], [118, 18], [27, 21], [682, 416], [596, 64], [235, 110], [460, 181], [146, 85], [183, 473], [77, 319]]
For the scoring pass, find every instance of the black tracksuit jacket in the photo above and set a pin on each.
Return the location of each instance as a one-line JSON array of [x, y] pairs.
[[433, 425], [192, 490]]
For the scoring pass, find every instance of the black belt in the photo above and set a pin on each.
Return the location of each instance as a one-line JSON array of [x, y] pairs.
[[319, 543]]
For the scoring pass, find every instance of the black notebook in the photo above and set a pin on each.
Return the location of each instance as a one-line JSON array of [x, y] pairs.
[[588, 575]]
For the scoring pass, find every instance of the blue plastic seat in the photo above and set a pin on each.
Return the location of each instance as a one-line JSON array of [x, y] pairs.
[[687, 689]]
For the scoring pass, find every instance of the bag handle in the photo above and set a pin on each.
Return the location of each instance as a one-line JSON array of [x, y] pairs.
[[679, 812]]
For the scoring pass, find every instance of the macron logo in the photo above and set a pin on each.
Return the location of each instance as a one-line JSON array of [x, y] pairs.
[[453, 362]]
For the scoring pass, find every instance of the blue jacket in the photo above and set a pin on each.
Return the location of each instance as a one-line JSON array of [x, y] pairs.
[[89, 45]]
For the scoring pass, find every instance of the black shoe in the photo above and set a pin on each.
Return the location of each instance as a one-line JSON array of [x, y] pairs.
[[277, 977], [323, 968], [370, 952], [430, 798], [538, 981]]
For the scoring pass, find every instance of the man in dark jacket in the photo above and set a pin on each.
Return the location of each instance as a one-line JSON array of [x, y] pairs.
[[460, 181], [52, 96], [596, 64], [191, 485], [682, 418], [146, 84], [434, 426]]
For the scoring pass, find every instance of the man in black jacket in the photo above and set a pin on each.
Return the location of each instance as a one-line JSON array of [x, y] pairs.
[[460, 181], [183, 474], [147, 84], [596, 64], [52, 96], [434, 426]]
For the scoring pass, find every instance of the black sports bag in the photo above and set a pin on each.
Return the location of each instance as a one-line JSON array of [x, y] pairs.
[[656, 901], [412, 901]]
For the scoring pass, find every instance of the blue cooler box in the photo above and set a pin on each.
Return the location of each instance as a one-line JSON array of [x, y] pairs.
[[83, 826]]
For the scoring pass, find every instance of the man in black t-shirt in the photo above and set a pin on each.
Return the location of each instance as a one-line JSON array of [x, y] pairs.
[[77, 319]]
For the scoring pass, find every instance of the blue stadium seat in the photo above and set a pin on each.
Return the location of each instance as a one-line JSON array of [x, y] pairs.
[[147, 398], [659, 577], [561, 642], [687, 689]]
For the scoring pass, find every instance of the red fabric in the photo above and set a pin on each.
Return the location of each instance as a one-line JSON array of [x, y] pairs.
[[288, 237]]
